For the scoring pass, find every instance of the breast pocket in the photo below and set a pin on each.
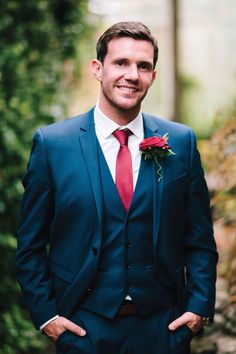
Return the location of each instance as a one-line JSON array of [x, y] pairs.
[[176, 181], [176, 191]]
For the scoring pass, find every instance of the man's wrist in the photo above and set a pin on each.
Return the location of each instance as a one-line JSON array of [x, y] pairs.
[[49, 321]]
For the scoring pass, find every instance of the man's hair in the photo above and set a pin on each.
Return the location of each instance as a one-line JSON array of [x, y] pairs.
[[135, 30]]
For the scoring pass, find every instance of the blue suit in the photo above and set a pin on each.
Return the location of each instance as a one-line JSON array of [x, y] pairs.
[[60, 236]]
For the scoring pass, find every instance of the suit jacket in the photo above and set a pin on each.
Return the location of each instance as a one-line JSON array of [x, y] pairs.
[[60, 232]]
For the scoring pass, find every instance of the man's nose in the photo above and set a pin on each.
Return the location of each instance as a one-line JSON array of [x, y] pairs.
[[132, 73]]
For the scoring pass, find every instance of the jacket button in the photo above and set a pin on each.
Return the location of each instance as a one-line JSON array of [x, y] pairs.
[[95, 251]]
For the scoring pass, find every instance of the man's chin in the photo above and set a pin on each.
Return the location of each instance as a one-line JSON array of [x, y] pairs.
[[129, 104]]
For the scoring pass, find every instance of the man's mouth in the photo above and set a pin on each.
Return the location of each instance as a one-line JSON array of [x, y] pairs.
[[128, 88]]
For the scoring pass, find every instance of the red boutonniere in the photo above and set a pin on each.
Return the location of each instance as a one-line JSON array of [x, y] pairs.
[[155, 148]]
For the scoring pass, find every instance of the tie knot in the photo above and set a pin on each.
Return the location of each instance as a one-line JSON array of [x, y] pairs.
[[122, 136]]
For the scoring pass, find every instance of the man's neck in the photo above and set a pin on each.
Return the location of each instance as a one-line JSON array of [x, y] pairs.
[[119, 116]]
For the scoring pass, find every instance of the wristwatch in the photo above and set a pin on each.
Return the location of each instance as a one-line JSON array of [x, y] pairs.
[[205, 321]]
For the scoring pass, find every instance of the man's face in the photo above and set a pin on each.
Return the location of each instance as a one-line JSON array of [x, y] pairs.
[[125, 75]]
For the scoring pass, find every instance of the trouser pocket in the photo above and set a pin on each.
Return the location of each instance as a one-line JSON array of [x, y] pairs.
[[70, 343]]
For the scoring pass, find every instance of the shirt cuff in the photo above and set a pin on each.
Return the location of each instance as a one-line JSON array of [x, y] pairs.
[[46, 323]]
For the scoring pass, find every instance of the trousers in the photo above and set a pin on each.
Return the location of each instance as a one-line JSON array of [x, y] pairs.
[[126, 335]]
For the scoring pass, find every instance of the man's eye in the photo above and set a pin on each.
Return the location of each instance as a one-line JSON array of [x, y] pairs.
[[120, 63], [144, 66]]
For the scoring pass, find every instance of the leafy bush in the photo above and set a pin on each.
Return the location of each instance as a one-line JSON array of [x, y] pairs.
[[38, 40]]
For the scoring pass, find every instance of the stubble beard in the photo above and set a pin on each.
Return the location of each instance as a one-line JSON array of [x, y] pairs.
[[120, 110]]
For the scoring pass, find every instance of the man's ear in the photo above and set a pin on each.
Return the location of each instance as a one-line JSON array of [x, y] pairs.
[[154, 75], [96, 67]]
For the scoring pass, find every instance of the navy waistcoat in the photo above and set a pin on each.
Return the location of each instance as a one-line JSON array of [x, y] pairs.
[[126, 263]]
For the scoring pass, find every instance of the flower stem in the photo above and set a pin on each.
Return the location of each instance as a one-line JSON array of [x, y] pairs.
[[158, 169]]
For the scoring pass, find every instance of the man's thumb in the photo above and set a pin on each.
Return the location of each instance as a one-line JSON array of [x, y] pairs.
[[177, 323]]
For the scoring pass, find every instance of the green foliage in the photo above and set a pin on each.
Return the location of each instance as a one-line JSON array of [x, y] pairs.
[[36, 39], [17, 334], [39, 40], [189, 88]]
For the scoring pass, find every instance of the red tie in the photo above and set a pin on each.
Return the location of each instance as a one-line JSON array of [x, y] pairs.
[[124, 175]]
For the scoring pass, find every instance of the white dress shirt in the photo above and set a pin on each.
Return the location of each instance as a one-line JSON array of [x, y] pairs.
[[104, 127]]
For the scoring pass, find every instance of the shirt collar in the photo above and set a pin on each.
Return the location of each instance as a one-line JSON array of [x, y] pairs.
[[107, 126]]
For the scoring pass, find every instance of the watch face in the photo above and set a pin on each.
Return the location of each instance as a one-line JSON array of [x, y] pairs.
[[206, 321]]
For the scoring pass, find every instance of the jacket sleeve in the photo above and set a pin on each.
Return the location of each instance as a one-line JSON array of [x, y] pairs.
[[200, 249], [33, 232]]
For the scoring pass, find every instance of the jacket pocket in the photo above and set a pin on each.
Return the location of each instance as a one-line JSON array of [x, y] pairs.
[[176, 180], [61, 279], [61, 272]]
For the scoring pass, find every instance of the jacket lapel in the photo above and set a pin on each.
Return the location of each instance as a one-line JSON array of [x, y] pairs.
[[88, 142], [151, 129]]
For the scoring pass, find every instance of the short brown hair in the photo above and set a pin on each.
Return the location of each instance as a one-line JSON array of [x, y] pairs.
[[135, 30]]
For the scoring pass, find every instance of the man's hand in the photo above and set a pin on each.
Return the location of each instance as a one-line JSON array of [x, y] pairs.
[[192, 320], [59, 325]]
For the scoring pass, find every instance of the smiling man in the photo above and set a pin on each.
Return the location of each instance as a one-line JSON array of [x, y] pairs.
[[116, 253]]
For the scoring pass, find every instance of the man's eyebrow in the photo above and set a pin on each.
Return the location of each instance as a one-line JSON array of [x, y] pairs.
[[120, 59], [127, 59]]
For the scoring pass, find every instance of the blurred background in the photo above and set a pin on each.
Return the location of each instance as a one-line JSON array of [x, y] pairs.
[[45, 50]]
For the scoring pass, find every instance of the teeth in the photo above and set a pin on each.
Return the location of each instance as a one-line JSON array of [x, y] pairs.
[[128, 89]]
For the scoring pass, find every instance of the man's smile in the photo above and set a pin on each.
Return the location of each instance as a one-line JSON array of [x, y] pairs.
[[128, 88]]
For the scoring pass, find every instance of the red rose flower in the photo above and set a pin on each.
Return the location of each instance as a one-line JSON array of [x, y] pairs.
[[154, 142], [154, 148]]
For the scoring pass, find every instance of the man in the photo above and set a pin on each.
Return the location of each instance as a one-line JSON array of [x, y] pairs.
[[116, 252]]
